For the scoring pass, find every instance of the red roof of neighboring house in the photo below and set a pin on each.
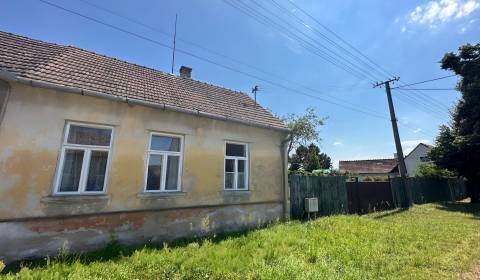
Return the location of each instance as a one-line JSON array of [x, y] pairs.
[[368, 166], [72, 67]]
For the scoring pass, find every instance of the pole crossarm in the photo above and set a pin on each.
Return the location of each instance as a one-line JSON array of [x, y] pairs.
[[379, 84]]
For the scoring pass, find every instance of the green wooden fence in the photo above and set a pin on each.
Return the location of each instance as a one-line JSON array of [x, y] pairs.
[[333, 196], [330, 191], [425, 190]]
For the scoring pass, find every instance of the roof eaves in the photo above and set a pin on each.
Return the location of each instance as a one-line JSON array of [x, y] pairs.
[[11, 77]]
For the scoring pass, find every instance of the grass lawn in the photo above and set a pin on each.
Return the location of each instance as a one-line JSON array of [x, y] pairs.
[[432, 241]]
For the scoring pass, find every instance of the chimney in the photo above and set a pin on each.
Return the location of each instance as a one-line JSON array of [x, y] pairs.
[[185, 72]]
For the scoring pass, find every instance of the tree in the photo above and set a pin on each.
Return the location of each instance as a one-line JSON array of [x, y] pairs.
[[309, 159], [458, 144], [312, 161], [303, 128], [325, 161], [297, 160]]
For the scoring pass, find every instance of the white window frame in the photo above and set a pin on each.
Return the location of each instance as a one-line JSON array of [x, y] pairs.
[[164, 155], [87, 150], [235, 173]]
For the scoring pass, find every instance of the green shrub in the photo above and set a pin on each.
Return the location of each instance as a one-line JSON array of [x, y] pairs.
[[432, 171]]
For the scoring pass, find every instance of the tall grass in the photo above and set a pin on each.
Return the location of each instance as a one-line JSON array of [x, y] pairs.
[[432, 241]]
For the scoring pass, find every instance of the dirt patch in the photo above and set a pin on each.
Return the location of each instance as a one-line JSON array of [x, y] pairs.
[[473, 274]]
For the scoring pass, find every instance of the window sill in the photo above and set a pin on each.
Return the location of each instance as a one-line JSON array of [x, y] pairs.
[[74, 198], [160, 195], [236, 192]]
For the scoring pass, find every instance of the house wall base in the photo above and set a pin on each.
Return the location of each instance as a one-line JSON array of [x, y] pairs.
[[40, 237]]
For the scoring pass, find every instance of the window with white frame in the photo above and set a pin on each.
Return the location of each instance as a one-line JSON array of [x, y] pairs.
[[84, 160], [236, 166], [164, 163]]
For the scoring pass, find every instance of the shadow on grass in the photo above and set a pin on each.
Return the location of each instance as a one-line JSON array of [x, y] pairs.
[[115, 251], [462, 207], [391, 213]]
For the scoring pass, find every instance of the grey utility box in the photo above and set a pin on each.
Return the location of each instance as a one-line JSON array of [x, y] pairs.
[[311, 204]]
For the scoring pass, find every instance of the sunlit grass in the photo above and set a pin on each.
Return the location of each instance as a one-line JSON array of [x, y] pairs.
[[432, 241]]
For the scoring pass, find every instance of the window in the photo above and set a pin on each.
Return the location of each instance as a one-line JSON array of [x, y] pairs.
[[84, 160], [236, 166], [164, 162]]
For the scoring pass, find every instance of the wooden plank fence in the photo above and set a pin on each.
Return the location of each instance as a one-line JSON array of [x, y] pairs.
[[426, 190], [331, 193], [366, 197], [336, 196]]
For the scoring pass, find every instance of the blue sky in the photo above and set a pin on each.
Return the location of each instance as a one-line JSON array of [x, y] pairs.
[[407, 38]]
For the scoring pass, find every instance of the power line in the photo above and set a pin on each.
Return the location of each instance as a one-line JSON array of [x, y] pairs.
[[217, 53], [436, 89], [414, 104], [418, 99], [285, 31], [426, 81], [323, 36], [424, 102], [339, 38], [211, 61], [333, 52]]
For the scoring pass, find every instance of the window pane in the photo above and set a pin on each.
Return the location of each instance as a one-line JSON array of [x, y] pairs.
[[229, 173], [165, 143], [154, 172], [89, 135], [72, 168], [241, 175], [97, 171], [172, 173], [235, 150]]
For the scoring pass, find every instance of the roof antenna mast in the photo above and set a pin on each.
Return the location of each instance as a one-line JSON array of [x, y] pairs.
[[254, 91], [174, 40]]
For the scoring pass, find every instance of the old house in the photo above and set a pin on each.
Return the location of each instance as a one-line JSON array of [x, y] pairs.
[[93, 147], [387, 167], [417, 156], [370, 167]]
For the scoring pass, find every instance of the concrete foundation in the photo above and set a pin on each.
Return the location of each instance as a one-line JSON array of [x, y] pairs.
[[40, 237]]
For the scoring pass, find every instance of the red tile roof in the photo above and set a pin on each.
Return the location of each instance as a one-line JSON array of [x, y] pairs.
[[73, 67], [368, 166]]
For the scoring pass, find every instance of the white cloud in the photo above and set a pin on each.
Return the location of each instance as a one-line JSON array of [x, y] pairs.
[[337, 143], [404, 28], [440, 11], [410, 144], [417, 130]]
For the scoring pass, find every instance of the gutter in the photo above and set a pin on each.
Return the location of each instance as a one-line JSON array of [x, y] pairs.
[[286, 190], [5, 75]]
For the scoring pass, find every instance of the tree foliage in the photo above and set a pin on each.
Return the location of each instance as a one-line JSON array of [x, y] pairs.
[[303, 128], [309, 159], [458, 144], [432, 171]]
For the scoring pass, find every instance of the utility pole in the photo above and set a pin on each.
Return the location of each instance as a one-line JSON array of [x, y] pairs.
[[401, 162], [174, 41], [400, 159]]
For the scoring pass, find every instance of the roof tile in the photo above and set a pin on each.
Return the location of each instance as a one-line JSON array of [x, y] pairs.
[[74, 67]]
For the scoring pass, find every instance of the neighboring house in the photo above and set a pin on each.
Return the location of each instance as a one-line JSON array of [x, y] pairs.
[[386, 167], [93, 147], [417, 156], [370, 167]]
